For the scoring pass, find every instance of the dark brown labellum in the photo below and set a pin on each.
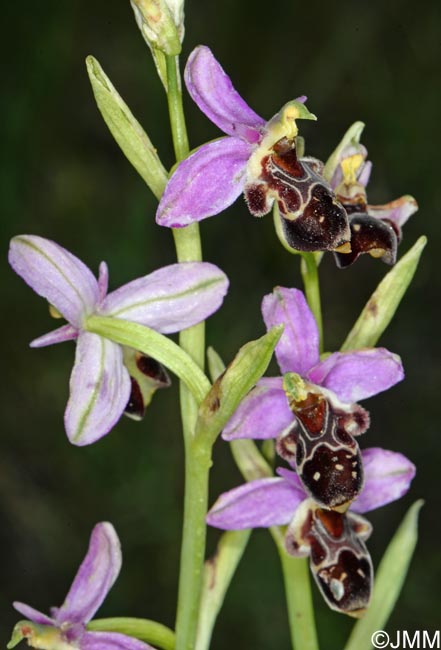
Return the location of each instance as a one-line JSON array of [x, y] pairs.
[[311, 216], [327, 458], [339, 559], [322, 225], [369, 235], [152, 368], [286, 445], [146, 375], [345, 574], [135, 406]]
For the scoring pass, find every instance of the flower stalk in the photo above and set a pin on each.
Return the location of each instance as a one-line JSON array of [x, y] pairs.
[[298, 598], [295, 570], [310, 276]]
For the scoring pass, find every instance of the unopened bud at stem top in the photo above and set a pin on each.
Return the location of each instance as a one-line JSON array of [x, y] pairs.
[[161, 23]]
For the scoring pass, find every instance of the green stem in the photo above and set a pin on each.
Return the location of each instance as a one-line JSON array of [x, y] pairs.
[[197, 466], [197, 453], [309, 269], [298, 597], [176, 109], [295, 570], [310, 276]]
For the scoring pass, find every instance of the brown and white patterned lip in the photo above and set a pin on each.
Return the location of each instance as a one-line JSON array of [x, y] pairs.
[[339, 559], [327, 457], [377, 237], [312, 218]]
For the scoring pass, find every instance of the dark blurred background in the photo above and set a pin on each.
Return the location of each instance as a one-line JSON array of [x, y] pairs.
[[64, 178]]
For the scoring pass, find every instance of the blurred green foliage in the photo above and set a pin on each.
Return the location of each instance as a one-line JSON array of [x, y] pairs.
[[64, 178]]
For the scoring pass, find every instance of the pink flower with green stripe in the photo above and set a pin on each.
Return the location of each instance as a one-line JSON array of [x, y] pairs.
[[107, 379]]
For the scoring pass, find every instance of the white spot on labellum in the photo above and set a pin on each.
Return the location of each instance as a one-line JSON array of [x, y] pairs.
[[337, 589], [316, 476]]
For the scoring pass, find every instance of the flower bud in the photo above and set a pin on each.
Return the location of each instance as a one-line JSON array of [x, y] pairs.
[[161, 23]]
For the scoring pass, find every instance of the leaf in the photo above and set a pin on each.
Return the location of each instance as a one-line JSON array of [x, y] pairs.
[[218, 573], [235, 382], [127, 131], [382, 305], [388, 582]]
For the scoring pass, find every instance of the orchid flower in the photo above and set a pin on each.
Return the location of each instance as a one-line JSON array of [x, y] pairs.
[[375, 229], [257, 158], [312, 410], [66, 627], [334, 541], [107, 379]]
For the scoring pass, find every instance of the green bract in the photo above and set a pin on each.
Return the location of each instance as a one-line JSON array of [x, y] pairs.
[[247, 457], [152, 343], [218, 573], [231, 387], [141, 628], [382, 305], [389, 580], [125, 128]]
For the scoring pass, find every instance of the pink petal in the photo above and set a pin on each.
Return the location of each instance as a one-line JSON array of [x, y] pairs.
[[258, 504], [170, 299], [99, 389], [205, 183], [387, 477], [264, 413], [57, 275], [292, 478], [397, 211], [60, 335], [94, 578], [364, 173], [354, 376], [103, 280], [111, 641], [213, 92], [32, 614], [298, 347]]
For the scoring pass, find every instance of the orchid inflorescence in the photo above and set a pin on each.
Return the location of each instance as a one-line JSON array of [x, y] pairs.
[[310, 414]]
